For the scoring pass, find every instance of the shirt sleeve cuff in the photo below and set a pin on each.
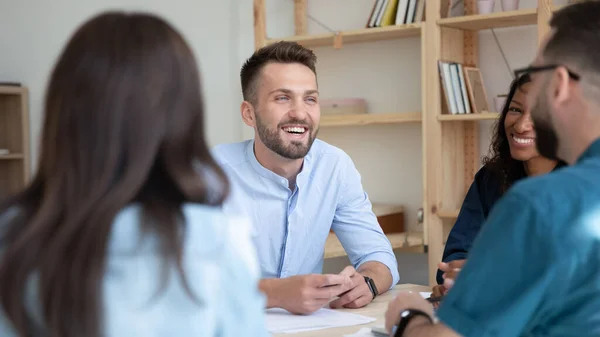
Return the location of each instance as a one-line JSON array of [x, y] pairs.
[[463, 325], [387, 259]]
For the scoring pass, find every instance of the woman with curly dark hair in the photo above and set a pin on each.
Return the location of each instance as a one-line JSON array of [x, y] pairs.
[[513, 156]]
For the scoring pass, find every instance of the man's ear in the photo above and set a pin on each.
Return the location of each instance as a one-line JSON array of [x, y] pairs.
[[247, 111], [561, 89]]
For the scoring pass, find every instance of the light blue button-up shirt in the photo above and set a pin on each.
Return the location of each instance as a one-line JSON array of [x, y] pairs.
[[291, 227], [219, 263]]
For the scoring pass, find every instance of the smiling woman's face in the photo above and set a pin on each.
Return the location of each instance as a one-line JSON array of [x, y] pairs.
[[519, 127]]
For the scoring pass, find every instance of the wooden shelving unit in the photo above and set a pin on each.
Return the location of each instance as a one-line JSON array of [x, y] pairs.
[[405, 242], [448, 213], [450, 143], [14, 137], [11, 157], [469, 117], [355, 36], [451, 155], [371, 119], [523, 17]]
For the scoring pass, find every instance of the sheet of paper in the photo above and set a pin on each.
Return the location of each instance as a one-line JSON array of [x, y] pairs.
[[364, 332], [281, 321], [368, 332]]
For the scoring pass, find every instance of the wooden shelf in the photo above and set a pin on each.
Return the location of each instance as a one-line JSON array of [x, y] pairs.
[[386, 209], [412, 242], [11, 90], [13, 156], [448, 213], [14, 136], [522, 17], [370, 119], [355, 36], [469, 117]]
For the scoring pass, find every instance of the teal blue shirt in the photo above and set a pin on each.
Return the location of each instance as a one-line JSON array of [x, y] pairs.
[[534, 270]]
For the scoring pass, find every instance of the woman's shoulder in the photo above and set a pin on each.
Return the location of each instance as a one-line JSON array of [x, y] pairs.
[[217, 259], [488, 184], [487, 176], [233, 231], [207, 228]]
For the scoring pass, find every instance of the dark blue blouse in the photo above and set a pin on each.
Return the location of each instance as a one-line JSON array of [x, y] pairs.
[[483, 193], [481, 197]]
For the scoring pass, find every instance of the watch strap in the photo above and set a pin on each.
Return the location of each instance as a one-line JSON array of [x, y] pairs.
[[371, 285], [405, 317]]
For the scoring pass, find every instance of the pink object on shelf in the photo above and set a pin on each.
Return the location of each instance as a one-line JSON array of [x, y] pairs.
[[485, 6], [510, 5], [343, 106]]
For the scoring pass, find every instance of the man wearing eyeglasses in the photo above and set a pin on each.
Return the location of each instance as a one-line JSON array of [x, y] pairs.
[[534, 270]]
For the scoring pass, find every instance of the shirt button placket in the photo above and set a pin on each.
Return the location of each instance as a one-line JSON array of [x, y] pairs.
[[284, 268]]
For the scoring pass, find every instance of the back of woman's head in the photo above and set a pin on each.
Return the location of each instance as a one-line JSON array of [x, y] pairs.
[[123, 124]]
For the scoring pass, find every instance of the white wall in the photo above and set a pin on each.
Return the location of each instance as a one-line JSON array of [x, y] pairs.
[[32, 33]]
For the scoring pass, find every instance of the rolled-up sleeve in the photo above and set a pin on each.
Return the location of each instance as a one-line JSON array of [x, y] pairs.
[[357, 228]]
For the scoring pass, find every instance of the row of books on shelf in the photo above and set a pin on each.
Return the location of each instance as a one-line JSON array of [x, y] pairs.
[[463, 88], [396, 12]]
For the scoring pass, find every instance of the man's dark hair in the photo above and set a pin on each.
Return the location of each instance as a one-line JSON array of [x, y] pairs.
[[279, 52], [576, 38]]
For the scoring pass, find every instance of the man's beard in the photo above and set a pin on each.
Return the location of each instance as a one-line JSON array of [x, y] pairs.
[[272, 139], [546, 139]]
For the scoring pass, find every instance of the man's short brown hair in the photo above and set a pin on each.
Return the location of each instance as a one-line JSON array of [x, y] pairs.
[[279, 52], [576, 38]]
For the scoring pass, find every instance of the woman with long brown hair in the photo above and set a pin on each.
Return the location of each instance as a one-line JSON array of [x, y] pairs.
[[513, 156], [120, 232]]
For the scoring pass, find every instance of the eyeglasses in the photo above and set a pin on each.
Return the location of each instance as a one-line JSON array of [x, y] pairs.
[[523, 76], [532, 69]]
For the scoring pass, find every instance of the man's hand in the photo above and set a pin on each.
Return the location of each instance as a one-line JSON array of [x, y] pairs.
[[407, 300], [304, 294], [451, 271], [359, 294]]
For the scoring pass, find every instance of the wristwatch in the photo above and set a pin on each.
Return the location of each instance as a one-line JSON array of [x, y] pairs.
[[405, 317], [372, 286]]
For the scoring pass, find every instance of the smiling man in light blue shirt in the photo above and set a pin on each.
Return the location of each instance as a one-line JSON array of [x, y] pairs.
[[296, 188]]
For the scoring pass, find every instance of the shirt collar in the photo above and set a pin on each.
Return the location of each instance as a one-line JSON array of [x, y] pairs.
[[592, 151], [266, 173]]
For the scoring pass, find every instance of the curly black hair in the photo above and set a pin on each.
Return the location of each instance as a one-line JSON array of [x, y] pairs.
[[499, 161]]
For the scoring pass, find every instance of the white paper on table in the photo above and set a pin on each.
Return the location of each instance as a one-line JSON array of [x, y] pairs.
[[425, 294], [282, 321], [364, 332]]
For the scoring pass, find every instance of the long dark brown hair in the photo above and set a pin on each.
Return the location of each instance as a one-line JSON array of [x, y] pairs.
[[123, 124], [502, 165]]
